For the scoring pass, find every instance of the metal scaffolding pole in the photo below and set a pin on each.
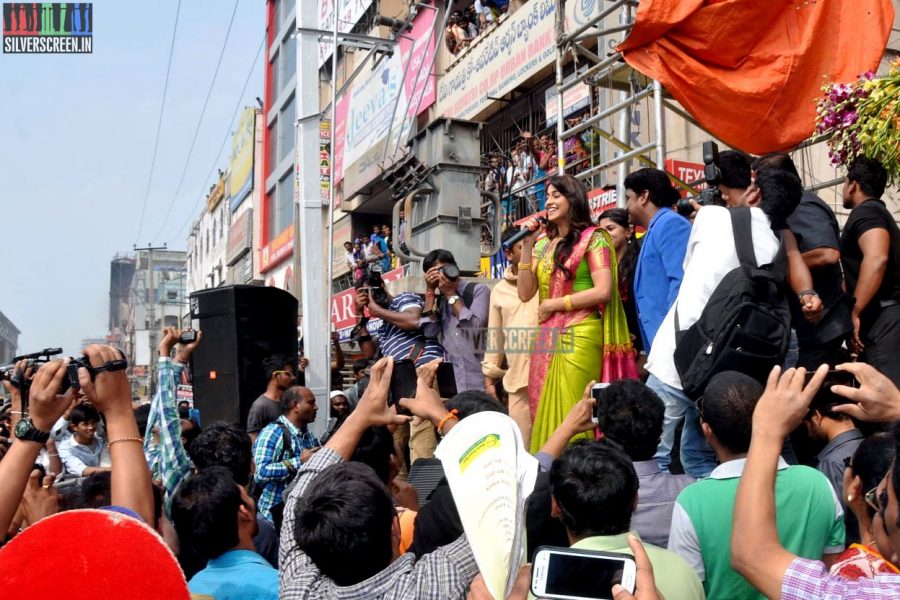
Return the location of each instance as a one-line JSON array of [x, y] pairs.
[[601, 75]]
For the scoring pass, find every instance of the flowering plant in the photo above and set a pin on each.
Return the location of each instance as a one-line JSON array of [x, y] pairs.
[[863, 117]]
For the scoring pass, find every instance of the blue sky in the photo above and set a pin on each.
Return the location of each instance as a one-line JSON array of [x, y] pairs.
[[76, 144]]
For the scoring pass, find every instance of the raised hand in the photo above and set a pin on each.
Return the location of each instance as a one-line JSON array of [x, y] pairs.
[[876, 400], [45, 404], [373, 406], [786, 400], [184, 351], [110, 391]]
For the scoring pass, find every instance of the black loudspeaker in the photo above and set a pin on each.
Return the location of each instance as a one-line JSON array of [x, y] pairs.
[[242, 325]]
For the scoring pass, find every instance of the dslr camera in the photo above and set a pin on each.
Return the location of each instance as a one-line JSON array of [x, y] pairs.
[[450, 271], [711, 175], [374, 285]]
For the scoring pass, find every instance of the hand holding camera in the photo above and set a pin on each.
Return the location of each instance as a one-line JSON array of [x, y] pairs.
[[104, 382], [46, 403]]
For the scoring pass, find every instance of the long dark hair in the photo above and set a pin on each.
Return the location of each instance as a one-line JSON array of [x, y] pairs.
[[579, 218], [628, 264]]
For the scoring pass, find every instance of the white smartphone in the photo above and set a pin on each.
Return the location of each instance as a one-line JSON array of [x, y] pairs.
[[597, 393], [570, 574]]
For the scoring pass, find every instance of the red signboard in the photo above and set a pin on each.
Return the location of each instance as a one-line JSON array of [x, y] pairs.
[[601, 200], [687, 172]]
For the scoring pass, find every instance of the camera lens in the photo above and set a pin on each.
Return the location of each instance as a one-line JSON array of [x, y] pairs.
[[451, 272]]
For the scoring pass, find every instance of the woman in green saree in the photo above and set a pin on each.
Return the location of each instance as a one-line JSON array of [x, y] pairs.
[[584, 335]]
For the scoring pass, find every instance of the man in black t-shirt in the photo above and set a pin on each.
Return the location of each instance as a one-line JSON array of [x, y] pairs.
[[816, 229], [870, 253], [267, 408]]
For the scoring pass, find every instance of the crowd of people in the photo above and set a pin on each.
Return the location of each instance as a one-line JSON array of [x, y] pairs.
[[519, 176], [771, 474], [372, 254], [463, 26]]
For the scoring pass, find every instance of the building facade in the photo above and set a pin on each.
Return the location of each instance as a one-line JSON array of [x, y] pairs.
[[503, 79], [9, 340], [157, 298]]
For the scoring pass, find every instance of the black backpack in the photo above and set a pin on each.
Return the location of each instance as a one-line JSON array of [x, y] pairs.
[[746, 323]]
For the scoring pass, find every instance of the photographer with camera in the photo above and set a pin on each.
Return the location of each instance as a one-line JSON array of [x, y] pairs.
[[456, 313], [712, 253], [820, 313], [400, 337]]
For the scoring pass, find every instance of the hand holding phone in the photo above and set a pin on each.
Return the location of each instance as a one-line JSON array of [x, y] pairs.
[[403, 382], [597, 391], [572, 574]]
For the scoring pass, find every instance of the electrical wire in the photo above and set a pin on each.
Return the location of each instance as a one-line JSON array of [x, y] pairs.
[[162, 108], [237, 109], [187, 161]]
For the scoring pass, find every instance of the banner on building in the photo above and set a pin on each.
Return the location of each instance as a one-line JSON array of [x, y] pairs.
[[240, 237], [216, 195], [325, 161], [376, 114], [575, 98], [241, 170], [277, 250], [687, 172], [513, 52], [349, 13], [341, 232], [599, 201]]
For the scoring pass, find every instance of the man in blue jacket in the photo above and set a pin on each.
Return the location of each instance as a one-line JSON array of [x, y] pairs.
[[649, 197]]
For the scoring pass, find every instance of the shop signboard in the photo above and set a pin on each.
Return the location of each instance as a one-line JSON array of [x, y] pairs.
[[381, 106], [241, 170]]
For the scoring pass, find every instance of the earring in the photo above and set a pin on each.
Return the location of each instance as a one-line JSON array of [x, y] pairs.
[[849, 497]]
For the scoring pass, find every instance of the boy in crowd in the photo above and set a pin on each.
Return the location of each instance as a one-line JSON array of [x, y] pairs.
[[82, 453]]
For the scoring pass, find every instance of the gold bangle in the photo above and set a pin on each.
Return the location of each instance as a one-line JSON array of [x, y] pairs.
[[124, 439], [567, 302], [523, 266]]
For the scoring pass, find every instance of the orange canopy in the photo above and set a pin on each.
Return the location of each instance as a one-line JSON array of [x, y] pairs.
[[750, 71]]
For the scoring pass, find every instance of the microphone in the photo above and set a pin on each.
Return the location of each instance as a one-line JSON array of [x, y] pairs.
[[522, 233]]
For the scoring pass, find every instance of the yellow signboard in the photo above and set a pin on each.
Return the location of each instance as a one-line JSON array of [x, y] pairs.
[[242, 143]]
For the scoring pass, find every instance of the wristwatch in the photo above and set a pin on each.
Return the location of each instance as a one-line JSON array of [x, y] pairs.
[[452, 300], [27, 432]]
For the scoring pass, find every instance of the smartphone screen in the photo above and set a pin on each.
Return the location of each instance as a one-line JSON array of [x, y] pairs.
[[825, 397], [446, 380], [577, 574], [403, 381], [597, 394]]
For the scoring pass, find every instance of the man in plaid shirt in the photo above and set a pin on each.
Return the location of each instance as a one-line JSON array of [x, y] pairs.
[[283, 446], [167, 458], [340, 537]]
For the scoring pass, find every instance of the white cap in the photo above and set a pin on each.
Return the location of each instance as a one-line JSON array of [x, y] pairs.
[[336, 393]]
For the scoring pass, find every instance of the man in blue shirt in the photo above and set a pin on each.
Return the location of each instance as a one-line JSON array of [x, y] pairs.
[[648, 198], [218, 518], [282, 446]]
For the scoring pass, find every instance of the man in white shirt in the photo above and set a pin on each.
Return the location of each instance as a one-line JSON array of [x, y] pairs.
[[82, 454], [711, 255]]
